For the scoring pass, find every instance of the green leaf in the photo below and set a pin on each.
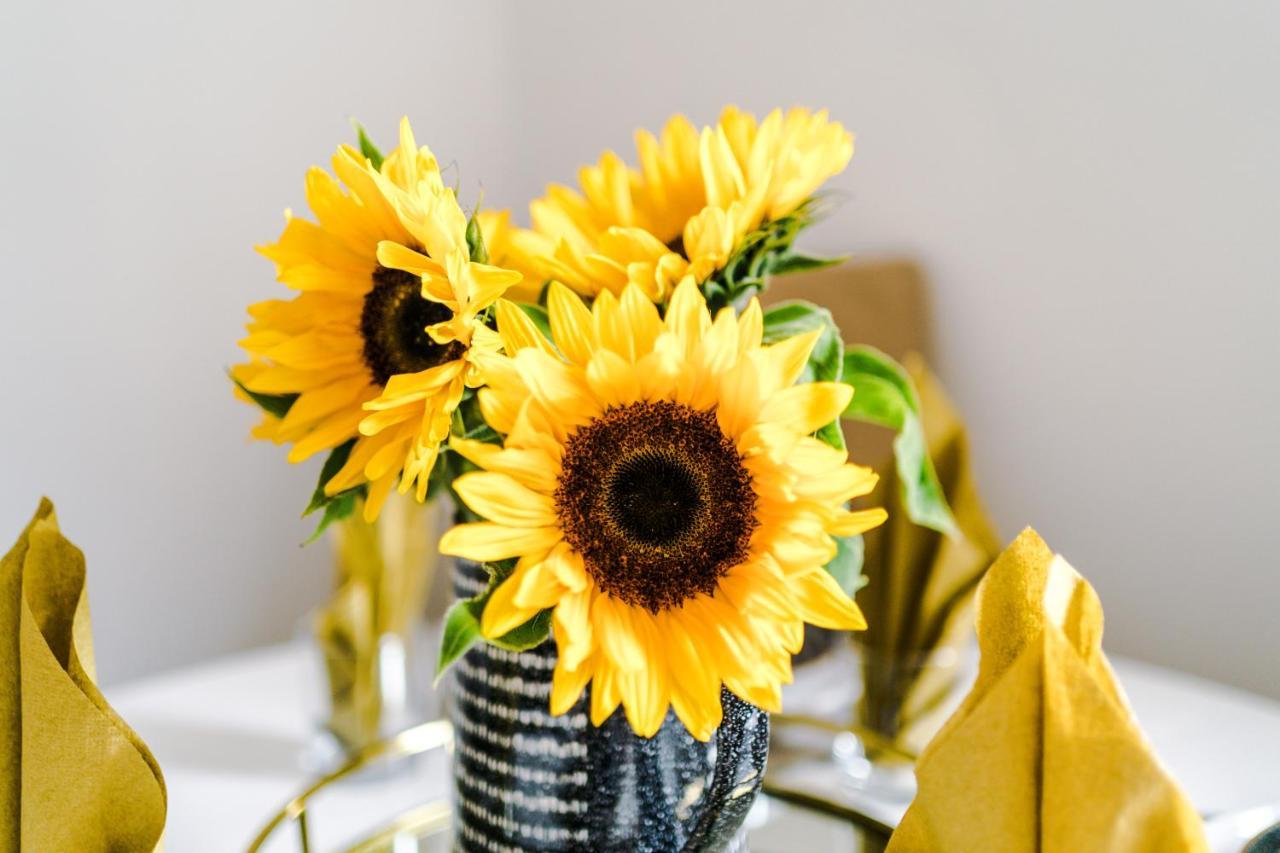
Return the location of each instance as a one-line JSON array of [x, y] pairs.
[[462, 623], [468, 420], [826, 361], [875, 400], [277, 405], [332, 465], [846, 565], [337, 508], [475, 239], [789, 262], [527, 636], [539, 316], [796, 317], [832, 435], [461, 632], [884, 395], [367, 148], [763, 252]]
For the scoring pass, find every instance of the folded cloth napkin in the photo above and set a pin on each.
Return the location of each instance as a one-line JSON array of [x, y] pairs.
[[920, 586], [73, 776], [1044, 753]]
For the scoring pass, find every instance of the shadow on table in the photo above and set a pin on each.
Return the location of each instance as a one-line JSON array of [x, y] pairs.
[[196, 746]]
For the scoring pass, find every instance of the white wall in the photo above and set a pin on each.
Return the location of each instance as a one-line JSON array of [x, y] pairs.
[[1093, 188], [148, 146]]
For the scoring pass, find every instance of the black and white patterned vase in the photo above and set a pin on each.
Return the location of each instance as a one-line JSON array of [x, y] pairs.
[[525, 780]]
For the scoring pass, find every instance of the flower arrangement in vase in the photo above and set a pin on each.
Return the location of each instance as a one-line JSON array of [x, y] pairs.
[[652, 487]]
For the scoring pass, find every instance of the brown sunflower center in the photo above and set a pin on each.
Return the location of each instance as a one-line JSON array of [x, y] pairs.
[[655, 498], [394, 324]]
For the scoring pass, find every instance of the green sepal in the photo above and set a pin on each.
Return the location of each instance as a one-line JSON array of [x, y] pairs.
[[277, 405], [462, 623], [340, 506], [826, 360], [461, 632], [367, 148], [846, 565], [885, 395], [832, 435], [475, 239], [764, 252], [468, 421], [797, 317], [789, 262], [332, 465], [538, 315]]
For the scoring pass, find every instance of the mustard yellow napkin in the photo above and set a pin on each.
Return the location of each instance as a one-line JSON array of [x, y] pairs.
[[1044, 754], [73, 776], [921, 584]]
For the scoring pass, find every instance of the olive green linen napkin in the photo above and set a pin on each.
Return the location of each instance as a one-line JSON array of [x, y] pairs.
[[73, 776]]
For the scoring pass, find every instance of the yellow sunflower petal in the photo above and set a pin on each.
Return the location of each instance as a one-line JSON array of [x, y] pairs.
[[575, 637], [822, 602], [750, 327], [604, 693], [567, 685], [539, 587], [485, 541], [807, 408], [569, 568], [789, 356], [572, 325], [528, 466], [611, 620], [518, 330], [378, 491], [502, 614], [612, 380], [556, 386], [687, 317], [641, 317], [499, 498]]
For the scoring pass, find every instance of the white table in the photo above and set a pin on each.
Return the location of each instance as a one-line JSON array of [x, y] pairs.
[[228, 735]]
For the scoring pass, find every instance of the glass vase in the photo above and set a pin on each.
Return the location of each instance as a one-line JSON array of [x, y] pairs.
[[370, 633]]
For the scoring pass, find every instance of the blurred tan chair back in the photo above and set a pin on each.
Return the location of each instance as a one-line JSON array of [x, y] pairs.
[[878, 302], [881, 302]]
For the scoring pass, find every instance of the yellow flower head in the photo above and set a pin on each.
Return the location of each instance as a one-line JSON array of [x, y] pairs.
[[662, 491], [380, 341], [688, 204]]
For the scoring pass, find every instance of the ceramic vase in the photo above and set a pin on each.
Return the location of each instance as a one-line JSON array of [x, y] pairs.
[[527, 780]]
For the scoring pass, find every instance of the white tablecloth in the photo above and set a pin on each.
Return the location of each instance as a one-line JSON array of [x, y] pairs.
[[228, 735]]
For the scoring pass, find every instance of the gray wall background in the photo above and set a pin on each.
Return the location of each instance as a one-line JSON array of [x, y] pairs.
[[1092, 187]]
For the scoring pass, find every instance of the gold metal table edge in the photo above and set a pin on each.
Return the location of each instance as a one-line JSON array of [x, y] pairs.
[[414, 741]]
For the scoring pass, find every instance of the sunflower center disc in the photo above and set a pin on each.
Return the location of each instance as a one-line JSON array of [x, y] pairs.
[[656, 500], [394, 324]]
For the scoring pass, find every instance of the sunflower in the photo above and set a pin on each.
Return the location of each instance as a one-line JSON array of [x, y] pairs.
[[377, 347], [688, 206], [661, 491]]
